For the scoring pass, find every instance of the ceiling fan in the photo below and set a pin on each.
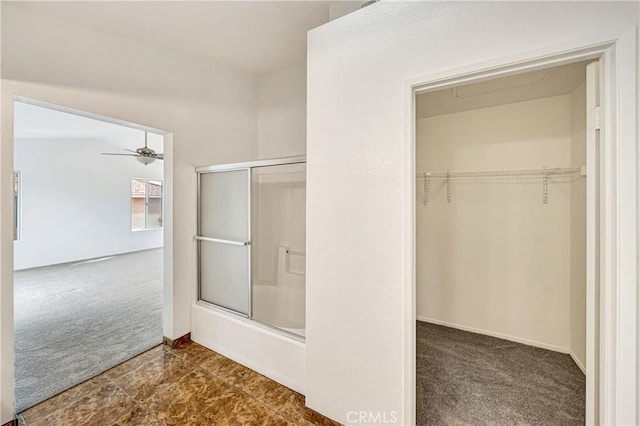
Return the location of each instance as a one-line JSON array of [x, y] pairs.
[[144, 155]]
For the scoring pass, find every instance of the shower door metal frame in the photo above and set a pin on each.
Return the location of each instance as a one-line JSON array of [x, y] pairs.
[[248, 166]]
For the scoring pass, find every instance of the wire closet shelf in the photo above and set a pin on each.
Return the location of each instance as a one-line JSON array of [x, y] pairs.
[[544, 173]]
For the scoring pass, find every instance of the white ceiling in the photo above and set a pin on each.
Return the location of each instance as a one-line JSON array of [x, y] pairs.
[[255, 37], [516, 88], [36, 122]]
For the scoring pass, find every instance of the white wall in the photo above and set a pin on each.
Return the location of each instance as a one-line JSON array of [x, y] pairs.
[[360, 169], [282, 112], [75, 203], [209, 110], [341, 8], [578, 205], [496, 259]]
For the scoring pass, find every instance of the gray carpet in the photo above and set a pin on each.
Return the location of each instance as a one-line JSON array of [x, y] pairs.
[[469, 379], [76, 320]]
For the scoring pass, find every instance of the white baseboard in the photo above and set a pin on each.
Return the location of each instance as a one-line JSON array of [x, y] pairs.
[[495, 334], [578, 363], [86, 259]]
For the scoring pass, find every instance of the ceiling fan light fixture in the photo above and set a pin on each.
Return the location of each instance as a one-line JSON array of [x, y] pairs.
[[145, 160], [144, 155]]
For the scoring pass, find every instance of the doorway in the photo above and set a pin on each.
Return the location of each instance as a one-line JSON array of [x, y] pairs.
[[505, 196], [88, 246]]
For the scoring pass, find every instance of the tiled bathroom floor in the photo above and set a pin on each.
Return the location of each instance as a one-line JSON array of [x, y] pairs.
[[190, 385]]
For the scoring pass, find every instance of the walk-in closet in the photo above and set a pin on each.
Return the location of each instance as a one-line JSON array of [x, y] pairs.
[[501, 249]]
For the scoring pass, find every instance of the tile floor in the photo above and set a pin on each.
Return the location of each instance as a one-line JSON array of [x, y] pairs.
[[190, 385]]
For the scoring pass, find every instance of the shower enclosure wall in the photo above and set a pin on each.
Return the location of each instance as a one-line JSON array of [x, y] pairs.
[[251, 241]]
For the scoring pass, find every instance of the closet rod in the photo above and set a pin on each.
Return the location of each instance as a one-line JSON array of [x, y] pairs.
[[472, 174]]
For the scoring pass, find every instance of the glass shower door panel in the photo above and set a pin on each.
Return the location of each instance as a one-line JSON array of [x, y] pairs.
[[278, 246], [224, 230], [224, 275], [224, 205]]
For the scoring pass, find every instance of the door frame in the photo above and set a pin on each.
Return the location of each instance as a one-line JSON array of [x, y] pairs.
[[614, 401]]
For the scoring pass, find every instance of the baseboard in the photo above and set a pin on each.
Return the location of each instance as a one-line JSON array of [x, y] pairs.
[[88, 259], [578, 363], [174, 343], [495, 334]]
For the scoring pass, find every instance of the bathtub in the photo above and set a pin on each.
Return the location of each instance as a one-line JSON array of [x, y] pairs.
[[282, 304], [279, 306]]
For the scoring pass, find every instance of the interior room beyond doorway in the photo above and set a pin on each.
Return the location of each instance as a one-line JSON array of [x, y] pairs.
[[88, 247], [501, 250]]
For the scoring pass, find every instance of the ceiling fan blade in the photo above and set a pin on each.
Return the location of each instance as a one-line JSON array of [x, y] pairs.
[[111, 153], [130, 150], [159, 156]]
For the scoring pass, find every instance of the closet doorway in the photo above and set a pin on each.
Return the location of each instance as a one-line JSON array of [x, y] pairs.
[[505, 248]]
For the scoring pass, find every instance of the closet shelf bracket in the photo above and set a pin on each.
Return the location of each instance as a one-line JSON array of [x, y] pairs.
[[545, 189], [425, 193]]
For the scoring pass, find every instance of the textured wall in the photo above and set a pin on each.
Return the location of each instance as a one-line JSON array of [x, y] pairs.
[[359, 198]]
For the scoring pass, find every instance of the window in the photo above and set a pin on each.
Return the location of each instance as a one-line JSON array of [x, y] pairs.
[[16, 205], [146, 204]]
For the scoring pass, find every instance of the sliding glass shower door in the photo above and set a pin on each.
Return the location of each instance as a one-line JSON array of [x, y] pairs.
[[251, 240], [224, 239]]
